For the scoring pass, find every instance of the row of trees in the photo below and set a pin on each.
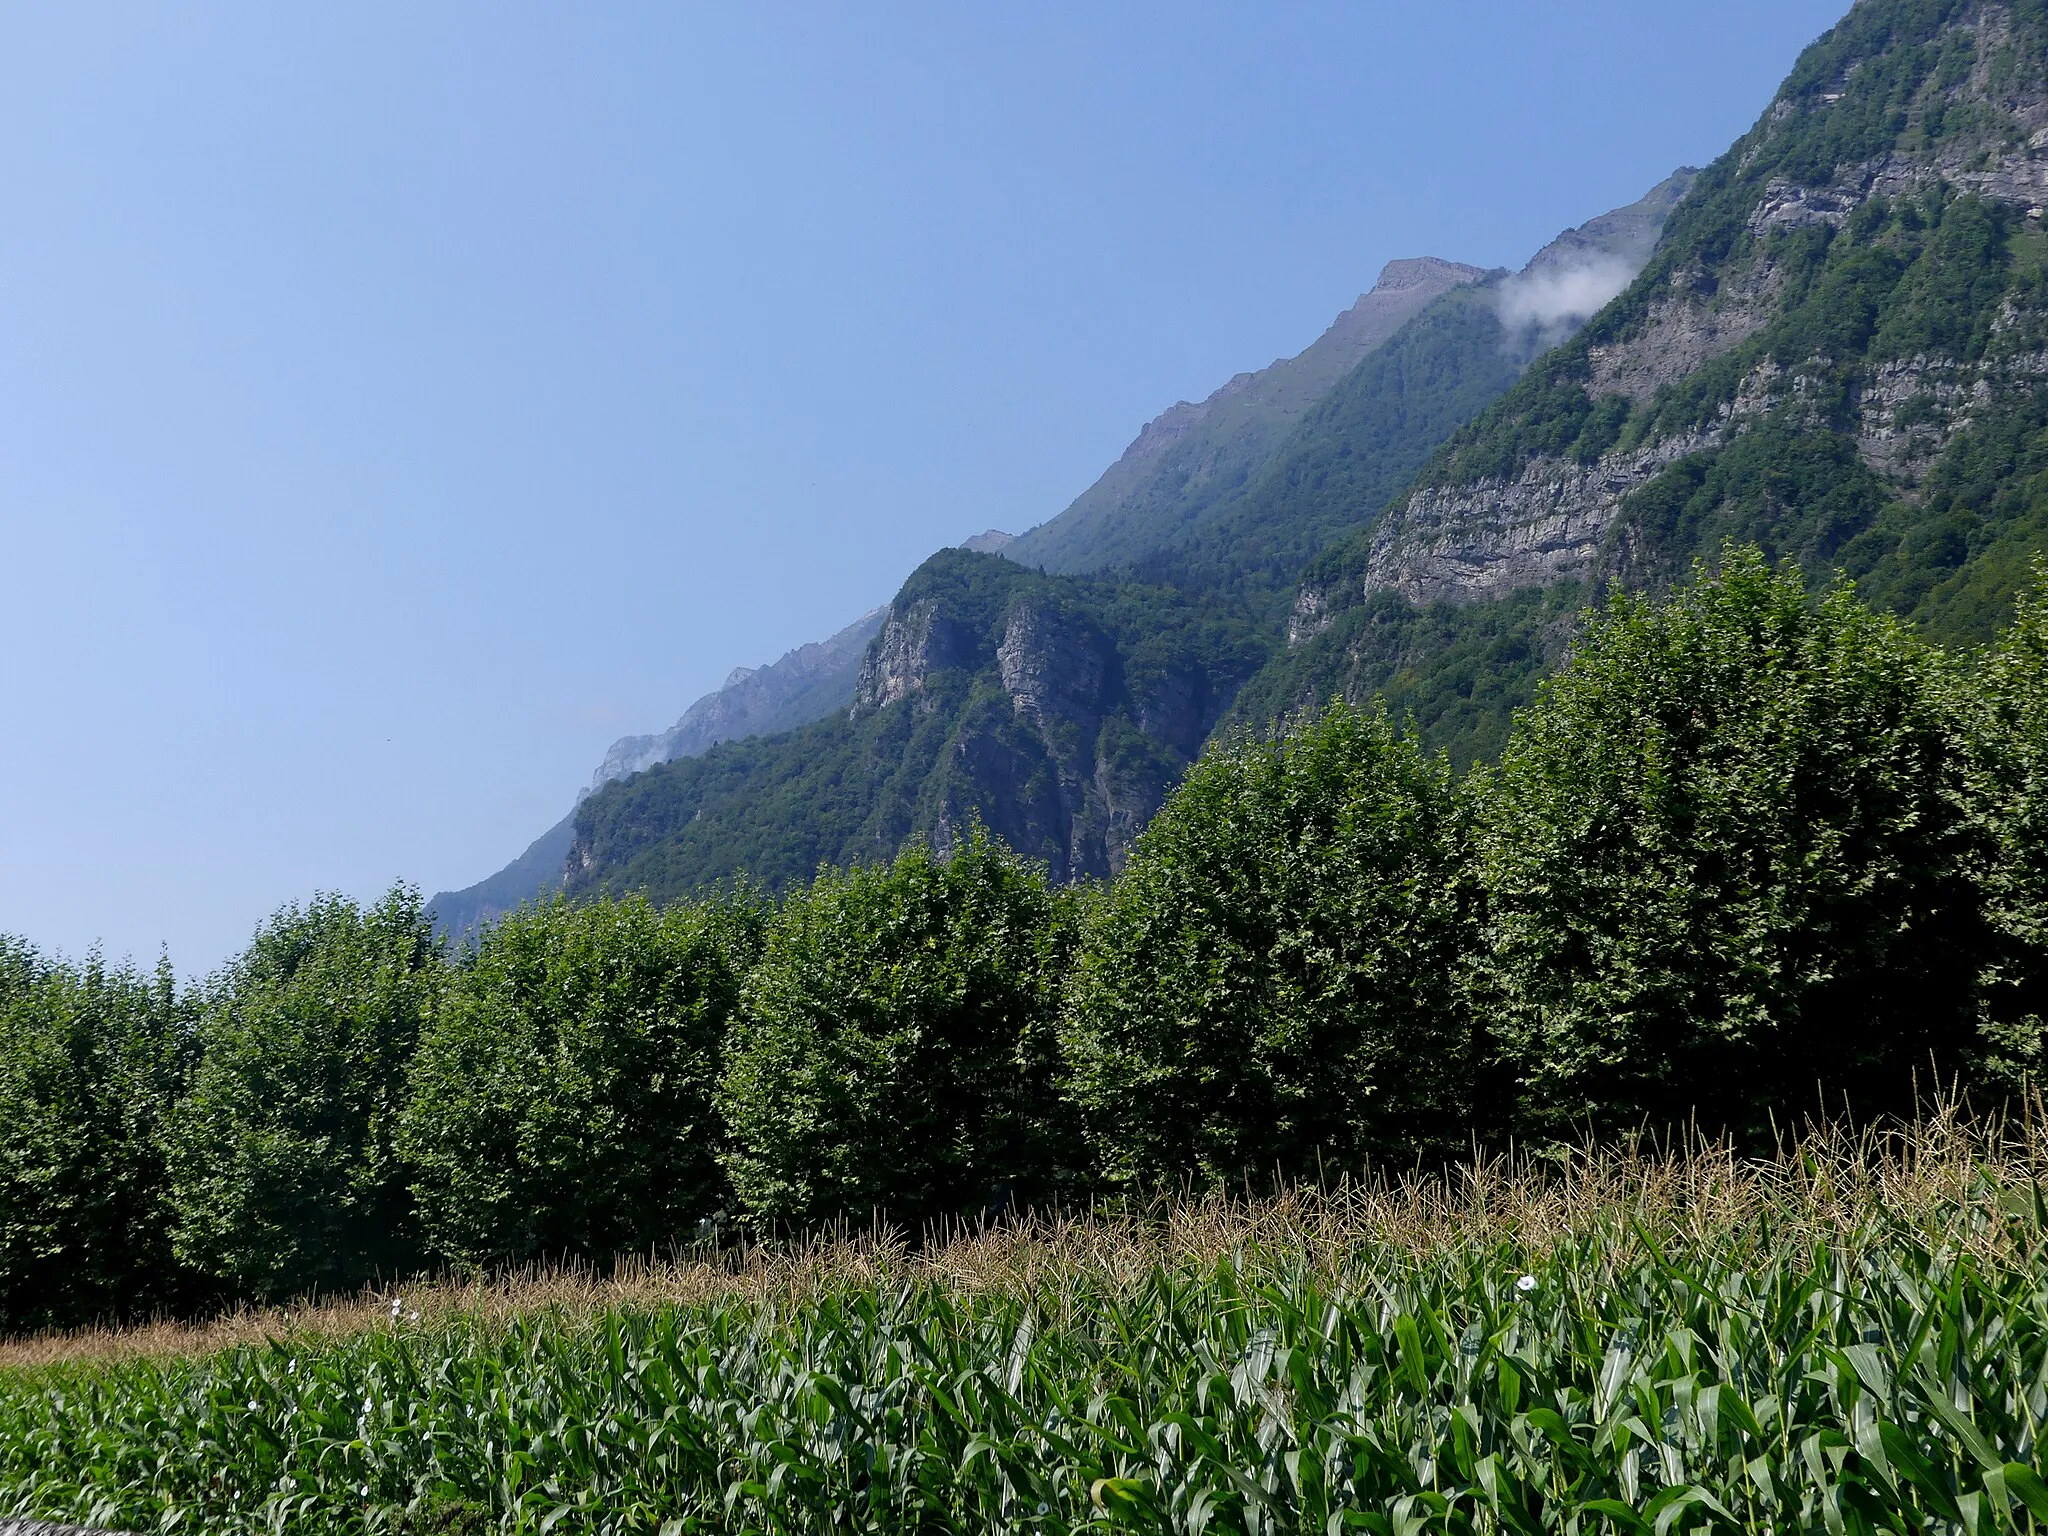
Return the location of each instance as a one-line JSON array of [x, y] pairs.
[[1747, 854]]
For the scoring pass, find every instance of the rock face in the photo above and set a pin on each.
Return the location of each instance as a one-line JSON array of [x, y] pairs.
[[914, 644], [1472, 543], [806, 684], [1052, 739], [1969, 105], [1193, 455]]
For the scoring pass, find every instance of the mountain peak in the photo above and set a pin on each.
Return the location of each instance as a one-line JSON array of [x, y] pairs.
[[1410, 272]]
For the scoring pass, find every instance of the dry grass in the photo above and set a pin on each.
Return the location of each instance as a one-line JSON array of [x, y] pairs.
[[1954, 1178]]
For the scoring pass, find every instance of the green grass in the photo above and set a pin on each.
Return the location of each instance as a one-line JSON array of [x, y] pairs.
[[1849, 1339]]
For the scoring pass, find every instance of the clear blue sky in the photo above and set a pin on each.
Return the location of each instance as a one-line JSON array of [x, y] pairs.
[[400, 402]]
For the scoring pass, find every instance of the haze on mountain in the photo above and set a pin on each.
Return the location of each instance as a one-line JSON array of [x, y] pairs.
[[803, 685]]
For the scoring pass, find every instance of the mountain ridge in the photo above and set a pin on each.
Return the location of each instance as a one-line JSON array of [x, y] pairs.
[[802, 685], [1196, 452]]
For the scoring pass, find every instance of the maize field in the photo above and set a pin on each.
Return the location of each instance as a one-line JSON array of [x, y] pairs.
[[1850, 1338]]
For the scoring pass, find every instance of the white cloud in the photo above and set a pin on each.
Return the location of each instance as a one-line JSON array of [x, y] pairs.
[[1564, 294]]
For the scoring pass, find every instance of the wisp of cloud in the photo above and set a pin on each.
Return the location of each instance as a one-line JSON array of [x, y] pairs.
[[1565, 294]]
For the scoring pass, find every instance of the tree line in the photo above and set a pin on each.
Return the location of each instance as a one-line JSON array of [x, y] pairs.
[[1750, 855]]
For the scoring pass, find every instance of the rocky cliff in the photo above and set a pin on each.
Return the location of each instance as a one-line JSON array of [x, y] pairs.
[[1064, 741], [1056, 711]]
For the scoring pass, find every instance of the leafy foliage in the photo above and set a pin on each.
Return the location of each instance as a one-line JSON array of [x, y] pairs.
[[1272, 981], [560, 1100], [2009, 799], [1724, 860], [893, 1050], [91, 1061], [284, 1163], [1743, 847]]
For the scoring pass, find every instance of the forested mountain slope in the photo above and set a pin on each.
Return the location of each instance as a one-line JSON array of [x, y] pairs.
[[1059, 709], [805, 684], [1837, 353]]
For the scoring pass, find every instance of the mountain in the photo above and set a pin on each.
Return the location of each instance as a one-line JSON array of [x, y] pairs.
[[1060, 707], [540, 871], [1195, 455], [1838, 353], [806, 684], [1365, 440]]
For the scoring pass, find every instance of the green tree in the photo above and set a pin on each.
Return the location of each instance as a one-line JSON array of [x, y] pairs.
[[284, 1162], [1272, 982], [894, 1045], [561, 1100], [91, 1060], [2009, 799], [1725, 864]]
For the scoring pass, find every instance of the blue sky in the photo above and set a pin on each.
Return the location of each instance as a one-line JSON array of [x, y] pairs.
[[400, 402]]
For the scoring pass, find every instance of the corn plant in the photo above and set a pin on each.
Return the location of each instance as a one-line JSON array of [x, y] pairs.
[[1889, 1379]]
